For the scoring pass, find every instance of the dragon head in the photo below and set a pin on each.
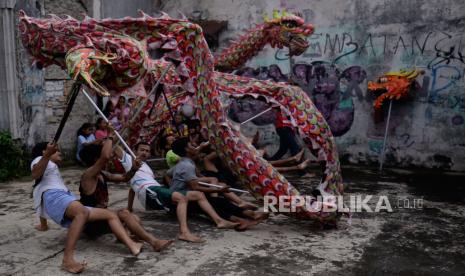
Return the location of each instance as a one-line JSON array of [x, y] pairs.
[[44, 38], [289, 30], [393, 85]]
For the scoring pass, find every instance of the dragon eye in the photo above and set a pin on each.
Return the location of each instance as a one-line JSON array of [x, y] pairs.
[[289, 24]]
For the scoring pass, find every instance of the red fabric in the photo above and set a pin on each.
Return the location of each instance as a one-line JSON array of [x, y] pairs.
[[282, 121], [100, 134], [118, 166]]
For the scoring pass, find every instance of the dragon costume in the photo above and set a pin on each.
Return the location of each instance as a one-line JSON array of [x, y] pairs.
[[111, 56], [282, 30], [393, 86]]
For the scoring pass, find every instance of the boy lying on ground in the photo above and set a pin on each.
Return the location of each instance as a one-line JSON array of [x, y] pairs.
[[53, 200]]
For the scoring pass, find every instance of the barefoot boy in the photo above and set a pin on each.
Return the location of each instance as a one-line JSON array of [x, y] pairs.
[[54, 201], [94, 193]]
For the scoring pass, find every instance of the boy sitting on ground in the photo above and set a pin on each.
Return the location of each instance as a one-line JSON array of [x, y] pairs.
[[152, 195], [94, 193], [183, 178], [53, 200]]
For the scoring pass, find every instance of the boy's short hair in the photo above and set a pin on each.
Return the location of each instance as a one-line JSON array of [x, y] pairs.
[[89, 154], [179, 146], [136, 147], [38, 149], [83, 127]]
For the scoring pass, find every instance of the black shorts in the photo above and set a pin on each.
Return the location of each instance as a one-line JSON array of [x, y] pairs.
[[222, 206], [223, 176], [96, 229]]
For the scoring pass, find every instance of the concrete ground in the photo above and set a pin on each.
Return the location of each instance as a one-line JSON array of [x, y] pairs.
[[425, 239]]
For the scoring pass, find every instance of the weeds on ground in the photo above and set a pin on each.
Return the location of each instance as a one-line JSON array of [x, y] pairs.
[[14, 159]]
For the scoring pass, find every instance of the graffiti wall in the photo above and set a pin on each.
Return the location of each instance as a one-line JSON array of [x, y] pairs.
[[355, 42], [43, 92]]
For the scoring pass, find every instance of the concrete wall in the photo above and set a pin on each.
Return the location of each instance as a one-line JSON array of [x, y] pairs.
[[122, 8], [366, 38], [42, 94]]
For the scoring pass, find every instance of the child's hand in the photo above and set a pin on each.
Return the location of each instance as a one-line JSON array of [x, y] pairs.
[[51, 149], [136, 165], [110, 128], [111, 132], [224, 189]]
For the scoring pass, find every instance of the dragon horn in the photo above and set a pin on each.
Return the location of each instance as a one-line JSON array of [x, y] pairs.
[[87, 17], [415, 74], [54, 16], [265, 17], [69, 17], [275, 14], [182, 15], [143, 14], [164, 15], [412, 74]]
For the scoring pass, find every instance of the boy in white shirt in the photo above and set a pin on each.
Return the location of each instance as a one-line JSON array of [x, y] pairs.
[[53, 200]]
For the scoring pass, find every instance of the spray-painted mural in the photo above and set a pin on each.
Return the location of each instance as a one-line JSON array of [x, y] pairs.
[[330, 88], [355, 43]]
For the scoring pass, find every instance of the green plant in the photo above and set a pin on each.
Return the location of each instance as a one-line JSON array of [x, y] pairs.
[[13, 159]]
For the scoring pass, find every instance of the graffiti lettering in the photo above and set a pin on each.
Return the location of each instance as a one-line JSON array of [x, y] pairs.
[[439, 73], [399, 41], [421, 48], [364, 45]]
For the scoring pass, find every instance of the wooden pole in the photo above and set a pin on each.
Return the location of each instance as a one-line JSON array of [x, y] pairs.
[[385, 138], [69, 107]]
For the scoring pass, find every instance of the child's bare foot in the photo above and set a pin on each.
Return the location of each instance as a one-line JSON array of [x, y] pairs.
[[309, 175], [189, 237], [136, 248], [244, 224], [260, 216], [226, 224], [298, 156], [160, 245], [73, 267], [304, 164], [247, 205], [41, 227]]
